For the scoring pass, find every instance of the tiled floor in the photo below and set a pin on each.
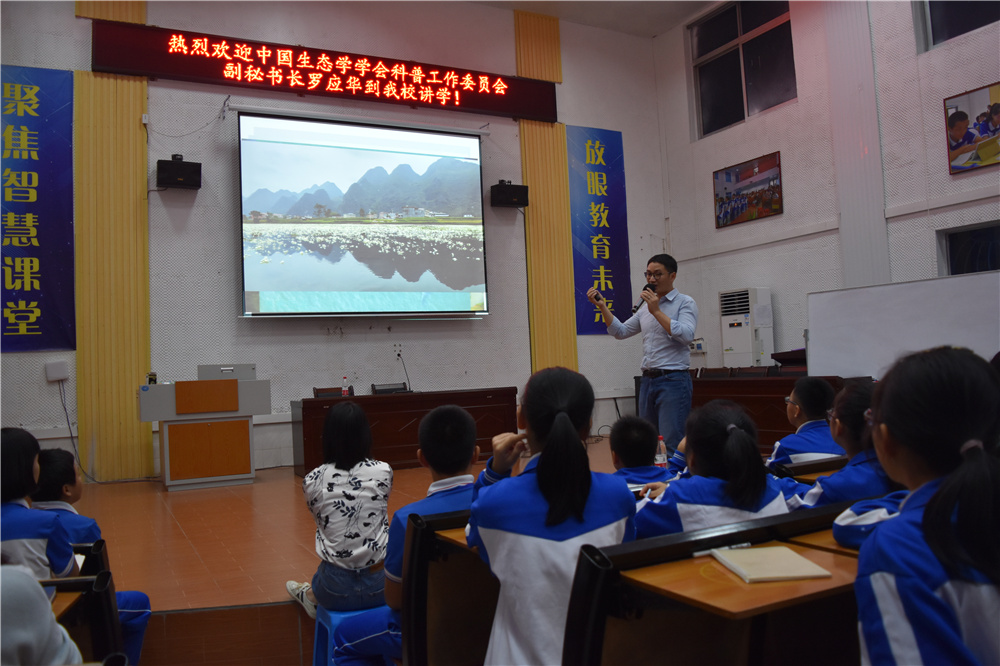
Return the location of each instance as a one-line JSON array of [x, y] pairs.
[[228, 546]]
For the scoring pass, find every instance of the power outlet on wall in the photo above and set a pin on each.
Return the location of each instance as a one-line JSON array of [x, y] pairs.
[[56, 371], [397, 348]]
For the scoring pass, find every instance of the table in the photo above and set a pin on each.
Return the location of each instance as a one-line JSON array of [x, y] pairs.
[[704, 582], [395, 418]]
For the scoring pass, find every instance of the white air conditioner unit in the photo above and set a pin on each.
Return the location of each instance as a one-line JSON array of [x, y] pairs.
[[747, 327]]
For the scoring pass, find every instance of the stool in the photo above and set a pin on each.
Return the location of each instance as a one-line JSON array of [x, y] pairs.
[[326, 623]]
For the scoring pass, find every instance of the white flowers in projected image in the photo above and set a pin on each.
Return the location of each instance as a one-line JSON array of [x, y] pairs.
[[451, 253]]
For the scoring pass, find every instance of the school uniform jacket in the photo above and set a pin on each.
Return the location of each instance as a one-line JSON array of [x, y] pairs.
[[640, 476], [853, 526], [697, 502], [81, 529], [910, 610], [812, 441], [37, 539], [534, 562], [861, 478]]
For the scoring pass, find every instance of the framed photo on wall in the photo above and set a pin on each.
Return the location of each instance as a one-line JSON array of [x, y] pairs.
[[972, 128], [748, 191]]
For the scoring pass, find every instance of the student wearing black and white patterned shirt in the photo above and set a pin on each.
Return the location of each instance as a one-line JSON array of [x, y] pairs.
[[348, 496]]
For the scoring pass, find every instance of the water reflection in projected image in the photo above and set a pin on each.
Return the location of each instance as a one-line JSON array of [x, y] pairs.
[[363, 257]]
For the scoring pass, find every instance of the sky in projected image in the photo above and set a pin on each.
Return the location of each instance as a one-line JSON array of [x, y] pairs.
[[293, 155]]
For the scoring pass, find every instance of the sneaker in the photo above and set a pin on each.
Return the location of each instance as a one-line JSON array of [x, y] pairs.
[[298, 591]]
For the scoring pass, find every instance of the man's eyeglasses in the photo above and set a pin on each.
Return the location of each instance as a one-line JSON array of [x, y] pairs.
[[829, 415], [789, 401], [656, 276]]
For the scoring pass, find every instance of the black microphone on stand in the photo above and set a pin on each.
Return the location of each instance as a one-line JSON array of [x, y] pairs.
[[638, 305], [399, 355]]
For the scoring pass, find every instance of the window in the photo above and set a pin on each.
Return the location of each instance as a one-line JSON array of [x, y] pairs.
[[937, 21], [973, 250], [743, 62]]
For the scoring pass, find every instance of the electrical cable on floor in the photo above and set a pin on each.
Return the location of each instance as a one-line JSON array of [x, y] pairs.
[[69, 427]]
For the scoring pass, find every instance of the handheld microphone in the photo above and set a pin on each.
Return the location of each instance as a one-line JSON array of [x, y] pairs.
[[638, 305], [399, 355]]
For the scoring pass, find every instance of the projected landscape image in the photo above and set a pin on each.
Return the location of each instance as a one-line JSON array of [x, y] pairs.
[[342, 219]]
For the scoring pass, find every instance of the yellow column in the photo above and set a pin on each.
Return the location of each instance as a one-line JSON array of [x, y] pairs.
[[548, 236], [112, 274]]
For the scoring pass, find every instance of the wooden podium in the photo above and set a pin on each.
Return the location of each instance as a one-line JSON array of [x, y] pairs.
[[206, 429]]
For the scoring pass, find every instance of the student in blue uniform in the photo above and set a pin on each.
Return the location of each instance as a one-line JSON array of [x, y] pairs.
[[990, 126], [863, 476], [35, 539], [529, 528], [447, 437], [59, 487], [806, 409], [928, 584], [961, 139], [633, 442], [728, 483]]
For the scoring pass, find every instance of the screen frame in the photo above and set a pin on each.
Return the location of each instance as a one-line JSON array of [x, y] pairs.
[[375, 123]]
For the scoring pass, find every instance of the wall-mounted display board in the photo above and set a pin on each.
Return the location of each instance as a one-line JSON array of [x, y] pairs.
[[862, 331]]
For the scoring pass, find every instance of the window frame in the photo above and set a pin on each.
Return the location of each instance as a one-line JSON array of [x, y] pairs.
[[696, 63]]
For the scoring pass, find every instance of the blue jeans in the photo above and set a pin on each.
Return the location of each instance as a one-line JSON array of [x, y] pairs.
[[369, 639], [340, 589], [665, 402]]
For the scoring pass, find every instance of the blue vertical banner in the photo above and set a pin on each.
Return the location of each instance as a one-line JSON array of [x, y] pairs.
[[600, 225], [37, 213]]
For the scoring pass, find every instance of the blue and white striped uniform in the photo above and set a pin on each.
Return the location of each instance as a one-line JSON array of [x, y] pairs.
[[862, 477], [375, 636], [853, 526], [535, 562], [812, 441], [639, 476], [37, 539], [910, 610], [696, 502]]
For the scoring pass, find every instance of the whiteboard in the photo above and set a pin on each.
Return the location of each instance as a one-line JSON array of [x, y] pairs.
[[862, 331]]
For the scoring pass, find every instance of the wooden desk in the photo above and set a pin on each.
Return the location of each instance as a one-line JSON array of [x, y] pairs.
[[63, 602], [823, 540], [704, 582], [455, 536], [449, 593], [624, 596], [395, 418]]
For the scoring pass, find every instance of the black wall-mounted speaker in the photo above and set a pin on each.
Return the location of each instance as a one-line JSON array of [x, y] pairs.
[[504, 194], [178, 173]]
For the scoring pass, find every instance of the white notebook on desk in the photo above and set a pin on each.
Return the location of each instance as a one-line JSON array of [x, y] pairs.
[[758, 565]]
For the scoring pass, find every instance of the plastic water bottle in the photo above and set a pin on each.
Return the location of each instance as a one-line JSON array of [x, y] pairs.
[[661, 453], [343, 388]]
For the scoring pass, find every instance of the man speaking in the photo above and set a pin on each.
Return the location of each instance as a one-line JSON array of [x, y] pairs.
[[667, 319]]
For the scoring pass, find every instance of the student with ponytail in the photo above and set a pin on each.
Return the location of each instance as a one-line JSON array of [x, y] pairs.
[[928, 585], [529, 528], [728, 482]]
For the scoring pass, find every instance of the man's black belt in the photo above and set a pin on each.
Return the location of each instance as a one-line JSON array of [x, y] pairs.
[[658, 372]]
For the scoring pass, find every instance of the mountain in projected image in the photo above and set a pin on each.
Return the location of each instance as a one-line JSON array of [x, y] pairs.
[[449, 187]]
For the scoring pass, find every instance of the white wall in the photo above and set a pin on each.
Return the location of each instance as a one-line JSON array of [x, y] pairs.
[[922, 198], [194, 235], [791, 254], [609, 83]]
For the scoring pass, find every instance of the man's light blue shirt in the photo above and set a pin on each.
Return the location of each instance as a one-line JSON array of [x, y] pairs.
[[660, 350]]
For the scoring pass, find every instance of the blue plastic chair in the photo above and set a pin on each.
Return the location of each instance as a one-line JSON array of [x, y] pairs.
[[326, 623]]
